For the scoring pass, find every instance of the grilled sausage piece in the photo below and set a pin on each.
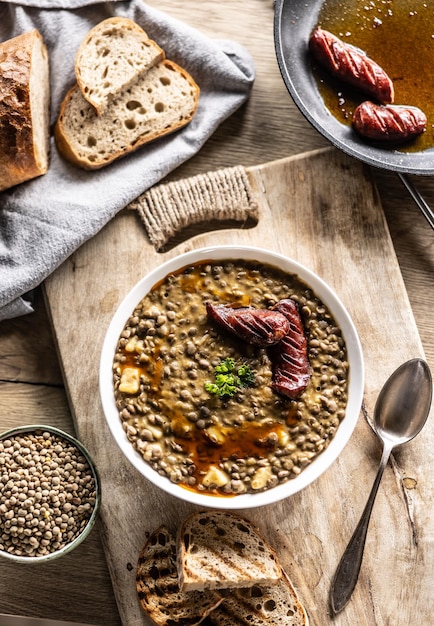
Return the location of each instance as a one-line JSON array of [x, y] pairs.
[[394, 123], [259, 327], [351, 65], [291, 368]]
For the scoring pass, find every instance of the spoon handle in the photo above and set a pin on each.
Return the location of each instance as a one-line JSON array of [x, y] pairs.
[[347, 572]]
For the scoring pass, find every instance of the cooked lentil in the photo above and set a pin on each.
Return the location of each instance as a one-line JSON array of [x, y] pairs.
[[47, 493], [167, 353]]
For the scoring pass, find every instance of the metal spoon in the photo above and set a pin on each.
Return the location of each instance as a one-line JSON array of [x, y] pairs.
[[400, 413]]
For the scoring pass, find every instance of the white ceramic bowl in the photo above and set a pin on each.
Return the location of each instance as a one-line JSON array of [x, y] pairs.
[[356, 381]]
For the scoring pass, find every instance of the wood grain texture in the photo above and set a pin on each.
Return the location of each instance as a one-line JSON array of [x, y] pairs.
[[268, 127], [27, 350], [322, 210], [34, 404], [43, 589], [414, 245]]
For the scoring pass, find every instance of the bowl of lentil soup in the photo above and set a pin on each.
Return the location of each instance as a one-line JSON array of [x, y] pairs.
[[192, 406], [49, 493]]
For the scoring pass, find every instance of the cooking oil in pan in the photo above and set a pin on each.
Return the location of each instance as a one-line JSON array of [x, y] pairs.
[[399, 36]]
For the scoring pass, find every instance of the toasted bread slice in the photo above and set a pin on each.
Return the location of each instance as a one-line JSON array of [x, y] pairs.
[[158, 589], [259, 605], [220, 550], [114, 54]]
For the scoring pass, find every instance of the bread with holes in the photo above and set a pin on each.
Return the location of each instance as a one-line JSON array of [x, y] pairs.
[[258, 605], [114, 54], [158, 589], [24, 109], [161, 102], [221, 550]]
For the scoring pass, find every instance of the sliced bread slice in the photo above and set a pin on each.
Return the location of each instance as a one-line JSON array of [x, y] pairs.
[[259, 605], [114, 54], [158, 589], [163, 101], [221, 550], [24, 109]]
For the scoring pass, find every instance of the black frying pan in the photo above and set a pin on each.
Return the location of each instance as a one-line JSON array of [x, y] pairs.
[[293, 22]]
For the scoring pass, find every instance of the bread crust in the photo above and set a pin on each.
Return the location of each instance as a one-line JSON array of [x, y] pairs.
[[112, 22], [66, 149], [157, 585], [60, 138], [18, 154], [257, 605]]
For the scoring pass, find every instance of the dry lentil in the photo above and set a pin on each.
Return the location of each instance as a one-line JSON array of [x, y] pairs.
[[257, 438], [47, 517]]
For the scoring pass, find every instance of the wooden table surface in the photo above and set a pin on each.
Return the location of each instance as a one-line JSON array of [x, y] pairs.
[[269, 127]]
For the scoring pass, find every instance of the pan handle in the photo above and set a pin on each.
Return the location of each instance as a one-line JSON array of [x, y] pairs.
[[419, 200]]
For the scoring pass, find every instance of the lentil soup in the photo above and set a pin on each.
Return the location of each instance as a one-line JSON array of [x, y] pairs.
[[165, 364]]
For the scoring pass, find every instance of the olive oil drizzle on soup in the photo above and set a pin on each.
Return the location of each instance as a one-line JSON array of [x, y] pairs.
[[399, 36], [254, 439]]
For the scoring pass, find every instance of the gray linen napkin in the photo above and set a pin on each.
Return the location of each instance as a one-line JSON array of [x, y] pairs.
[[43, 221]]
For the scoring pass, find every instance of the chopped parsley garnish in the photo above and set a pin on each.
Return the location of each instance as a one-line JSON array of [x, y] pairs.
[[246, 376], [229, 379]]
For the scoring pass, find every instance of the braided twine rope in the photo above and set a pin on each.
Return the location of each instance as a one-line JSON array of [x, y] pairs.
[[167, 209]]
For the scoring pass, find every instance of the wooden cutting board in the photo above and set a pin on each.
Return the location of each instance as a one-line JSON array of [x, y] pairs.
[[322, 210]]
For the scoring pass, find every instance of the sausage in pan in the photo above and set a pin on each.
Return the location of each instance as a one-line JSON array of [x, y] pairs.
[[391, 123], [351, 65]]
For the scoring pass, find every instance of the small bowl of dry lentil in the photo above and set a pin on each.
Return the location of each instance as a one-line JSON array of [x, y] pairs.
[[231, 377], [49, 493]]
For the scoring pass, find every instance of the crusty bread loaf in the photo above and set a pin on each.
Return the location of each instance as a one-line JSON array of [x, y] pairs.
[[259, 605], [220, 550], [24, 109], [157, 585], [161, 102], [113, 55]]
